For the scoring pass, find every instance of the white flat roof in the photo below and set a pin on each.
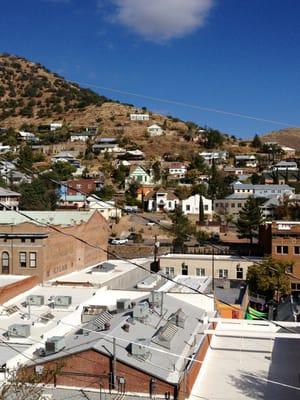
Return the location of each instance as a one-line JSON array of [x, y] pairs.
[[96, 278], [195, 282], [207, 257], [243, 368]]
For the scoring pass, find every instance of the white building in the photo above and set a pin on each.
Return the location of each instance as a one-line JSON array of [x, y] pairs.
[[55, 125], [139, 117], [161, 200], [9, 199], [246, 160], [80, 137], [4, 148], [108, 208], [191, 205], [27, 136], [231, 267], [217, 156], [285, 166], [155, 130], [263, 190], [177, 170]]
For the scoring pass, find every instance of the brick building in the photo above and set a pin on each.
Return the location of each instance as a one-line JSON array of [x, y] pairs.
[[77, 186], [152, 347], [31, 248], [281, 240]]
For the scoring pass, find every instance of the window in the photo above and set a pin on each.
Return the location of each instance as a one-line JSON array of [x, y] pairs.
[[184, 269], [223, 273], [23, 240], [170, 271], [239, 272], [206, 207], [22, 259], [289, 269], [32, 240], [297, 250], [282, 249], [200, 271], [188, 207], [32, 260], [239, 205], [5, 262], [170, 204], [232, 205]]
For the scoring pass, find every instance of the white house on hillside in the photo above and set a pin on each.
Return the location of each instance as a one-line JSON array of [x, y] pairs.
[[139, 174], [191, 205], [139, 117], [177, 170], [155, 130], [161, 200]]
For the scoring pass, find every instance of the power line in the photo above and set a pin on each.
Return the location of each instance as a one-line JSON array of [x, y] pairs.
[[122, 258], [187, 105]]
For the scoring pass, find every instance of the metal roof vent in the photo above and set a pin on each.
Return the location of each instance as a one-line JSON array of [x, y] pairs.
[[18, 330], [101, 322], [165, 335], [90, 312], [123, 305], [35, 300], [178, 318], [104, 267], [141, 311], [62, 301], [140, 349], [55, 344]]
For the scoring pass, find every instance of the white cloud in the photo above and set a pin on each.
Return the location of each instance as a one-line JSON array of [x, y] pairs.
[[162, 20]]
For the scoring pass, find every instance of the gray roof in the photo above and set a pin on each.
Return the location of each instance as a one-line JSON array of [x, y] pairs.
[[160, 363], [60, 393], [7, 192], [45, 217], [261, 187]]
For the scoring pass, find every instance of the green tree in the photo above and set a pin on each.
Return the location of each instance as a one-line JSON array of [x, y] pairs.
[[201, 209], [156, 167], [63, 170], [249, 219], [198, 163], [181, 228], [256, 142], [106, 193], [131, 193], [268, 277], [213, 139], [39, 195], [25, 159]]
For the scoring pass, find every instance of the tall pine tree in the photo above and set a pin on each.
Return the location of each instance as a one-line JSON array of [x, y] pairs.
[[250, 217]]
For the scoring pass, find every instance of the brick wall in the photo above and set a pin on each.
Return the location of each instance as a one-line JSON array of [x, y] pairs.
[[90, 368], [9, 291]]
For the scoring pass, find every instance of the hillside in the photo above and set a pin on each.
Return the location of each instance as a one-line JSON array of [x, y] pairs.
[[31, 94], [287, 137]]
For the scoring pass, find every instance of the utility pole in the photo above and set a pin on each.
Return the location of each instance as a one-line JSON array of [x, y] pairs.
[[114, 366], [213, 268]]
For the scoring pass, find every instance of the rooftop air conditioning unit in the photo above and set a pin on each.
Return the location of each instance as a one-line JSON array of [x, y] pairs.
[[141, 311], [62, 301], [35, 300], [140, 348], [123, 305], [19, 330], [55, 344]]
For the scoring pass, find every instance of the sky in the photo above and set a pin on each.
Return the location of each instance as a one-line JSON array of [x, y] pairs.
[[236, 56]]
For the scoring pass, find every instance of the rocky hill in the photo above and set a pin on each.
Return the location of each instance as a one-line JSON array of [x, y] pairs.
[[287, 137], [31, 94]]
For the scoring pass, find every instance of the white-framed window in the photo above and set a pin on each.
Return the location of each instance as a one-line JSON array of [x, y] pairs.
[[23, 259], [223, 273], [169, 271], [188, 207], [200, 271], [32, 259], [239, 272], [282, 249]]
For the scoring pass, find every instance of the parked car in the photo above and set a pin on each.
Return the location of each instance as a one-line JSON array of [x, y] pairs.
[[150, 223], [119, 241]]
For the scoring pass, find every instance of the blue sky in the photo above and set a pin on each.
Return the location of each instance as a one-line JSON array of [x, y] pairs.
[[239, 56]]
